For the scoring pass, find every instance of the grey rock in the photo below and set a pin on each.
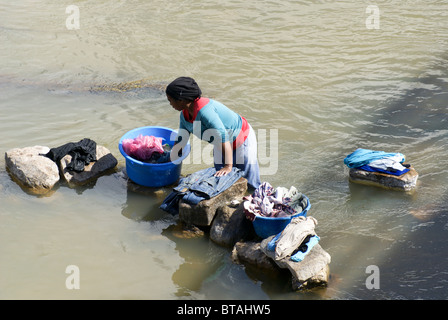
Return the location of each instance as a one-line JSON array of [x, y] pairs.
[[251, 253], [204, 212], [31, 169], [230, 225], [312, 271]]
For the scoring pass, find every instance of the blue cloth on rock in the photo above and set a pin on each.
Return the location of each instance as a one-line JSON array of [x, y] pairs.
[[373, 169], [199, 186], [300, 255], [306, 247], [362, 157]]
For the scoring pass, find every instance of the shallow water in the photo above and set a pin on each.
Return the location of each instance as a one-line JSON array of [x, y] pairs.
[[312, 72]]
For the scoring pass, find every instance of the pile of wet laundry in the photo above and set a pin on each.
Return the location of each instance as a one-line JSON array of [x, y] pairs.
[[147, 149], [377, 161], [269, 202]]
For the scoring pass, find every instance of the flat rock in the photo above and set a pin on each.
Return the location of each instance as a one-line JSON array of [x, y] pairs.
[[405, 182], [204, 212], [31, 169], [105, 162]]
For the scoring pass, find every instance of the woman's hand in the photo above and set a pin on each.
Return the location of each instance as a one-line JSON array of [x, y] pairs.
[[226, 149], [223, 171]]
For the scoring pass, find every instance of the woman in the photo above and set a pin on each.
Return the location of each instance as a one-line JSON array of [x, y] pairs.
[[235, 143]]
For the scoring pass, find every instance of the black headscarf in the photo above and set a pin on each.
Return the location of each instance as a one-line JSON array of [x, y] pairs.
[[184, 88]]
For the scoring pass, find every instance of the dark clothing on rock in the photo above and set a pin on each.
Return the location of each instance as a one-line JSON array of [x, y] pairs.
[[82, 152]]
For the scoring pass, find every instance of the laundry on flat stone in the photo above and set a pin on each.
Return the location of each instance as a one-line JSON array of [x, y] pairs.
[[82, 152], [377, 161]]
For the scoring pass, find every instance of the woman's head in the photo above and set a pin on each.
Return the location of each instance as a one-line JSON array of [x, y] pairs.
[[183, 88]]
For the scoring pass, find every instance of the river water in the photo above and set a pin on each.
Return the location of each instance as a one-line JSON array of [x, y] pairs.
[[316, 80]]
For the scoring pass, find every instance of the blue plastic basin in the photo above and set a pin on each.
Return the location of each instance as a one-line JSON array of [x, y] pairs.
[[153, 174], [269, 226]]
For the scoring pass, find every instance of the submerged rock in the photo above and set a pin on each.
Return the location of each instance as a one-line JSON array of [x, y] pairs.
[[405, 182], [31, 169], [121, 87], [182, 231]]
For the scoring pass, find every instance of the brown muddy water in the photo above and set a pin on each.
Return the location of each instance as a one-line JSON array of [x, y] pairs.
[[316, 79]]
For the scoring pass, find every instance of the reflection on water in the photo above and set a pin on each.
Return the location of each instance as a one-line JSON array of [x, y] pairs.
[[312, 70], [144, 207]]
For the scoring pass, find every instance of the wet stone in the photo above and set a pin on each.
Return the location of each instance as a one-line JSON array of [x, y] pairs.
[[31, 169], [249, 253], [204, 212], [230, 225], [405, 182]]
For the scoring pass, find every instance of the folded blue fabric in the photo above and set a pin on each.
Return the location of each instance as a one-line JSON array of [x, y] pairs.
[[372, 169], [273, 243], [362, 157]]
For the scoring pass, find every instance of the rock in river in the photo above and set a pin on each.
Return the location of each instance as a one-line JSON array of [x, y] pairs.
[[405, 182], [38, 174], [31, 169]]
